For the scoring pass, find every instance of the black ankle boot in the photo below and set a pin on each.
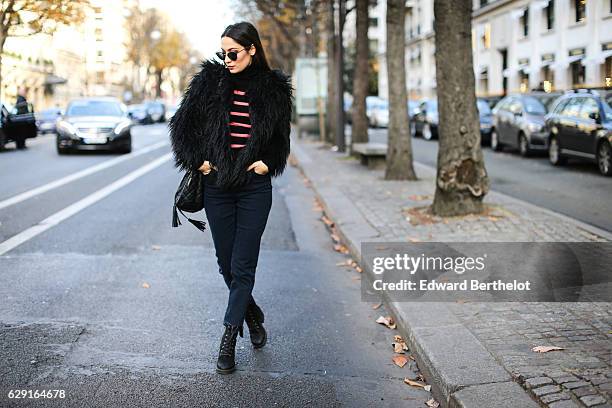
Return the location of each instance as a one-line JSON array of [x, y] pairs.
[[254, 318], [227, 349]]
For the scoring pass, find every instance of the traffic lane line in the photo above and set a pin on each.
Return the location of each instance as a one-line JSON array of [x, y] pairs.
[[76, 207], [80, 174]]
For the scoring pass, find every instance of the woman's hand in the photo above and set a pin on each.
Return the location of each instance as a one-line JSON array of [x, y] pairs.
[[206, 167], [259, 167]]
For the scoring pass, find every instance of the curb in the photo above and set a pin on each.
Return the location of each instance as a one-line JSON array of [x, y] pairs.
[[460, 369]]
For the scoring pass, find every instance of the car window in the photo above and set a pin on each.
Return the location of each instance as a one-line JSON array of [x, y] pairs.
[[606, 103], [534, 106], [558, 108], [588, 106], [572, 109]]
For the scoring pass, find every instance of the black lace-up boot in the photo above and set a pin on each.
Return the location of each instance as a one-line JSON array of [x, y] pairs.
[[227, 349], [254, 318]]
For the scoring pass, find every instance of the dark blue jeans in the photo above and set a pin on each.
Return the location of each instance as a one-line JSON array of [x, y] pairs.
[[237, 220]]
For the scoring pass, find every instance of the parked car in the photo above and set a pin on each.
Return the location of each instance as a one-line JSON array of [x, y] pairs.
[[139, 115], [426, 119], [99, 123], [156, 111], [518, 122], [580, 126], [45, 119], [16, 127], [170, 111], [379, 114], [492, 100], [485, 115]]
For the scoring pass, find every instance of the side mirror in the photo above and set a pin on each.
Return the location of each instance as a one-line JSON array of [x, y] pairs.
[[595, 116]]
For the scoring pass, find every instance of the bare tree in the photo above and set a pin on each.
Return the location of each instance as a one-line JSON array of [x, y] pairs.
[[399, 147], [461, 180], [359, 130]]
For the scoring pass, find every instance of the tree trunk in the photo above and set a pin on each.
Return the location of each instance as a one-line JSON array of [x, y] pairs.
[[461, 180], [2, 41], [339, 78], [331, 89], [399, 146], [158, 83], [359, 131]]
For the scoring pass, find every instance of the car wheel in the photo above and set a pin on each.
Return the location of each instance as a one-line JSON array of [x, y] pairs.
[[554, 153], [495, 144], [604, 158], [426, 132], [524, 146]]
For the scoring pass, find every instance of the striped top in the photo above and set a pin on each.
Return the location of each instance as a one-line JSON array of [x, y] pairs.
[[240, 122]]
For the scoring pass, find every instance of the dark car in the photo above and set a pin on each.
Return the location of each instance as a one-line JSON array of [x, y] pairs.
[[426, 119], [518, 122], [156, 111], [138, 113], [580, 126], [16, 127], [94, 124], [45, 119], [485, 115]]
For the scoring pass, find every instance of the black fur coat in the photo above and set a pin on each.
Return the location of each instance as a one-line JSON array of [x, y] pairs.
[[199, 130]]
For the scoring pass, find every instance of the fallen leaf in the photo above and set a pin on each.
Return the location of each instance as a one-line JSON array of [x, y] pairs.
[[327, 221], [341, 248], [400, 361], [399, 345], [411, 239], [335, 237], [387, 321], [358, 269], [432, 403], [155, 247], [376, 306], [417, 384], [418, 197], [146, 285], [546, 349]]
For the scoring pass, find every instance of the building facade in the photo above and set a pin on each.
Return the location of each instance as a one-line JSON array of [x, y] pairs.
[[518, 45]]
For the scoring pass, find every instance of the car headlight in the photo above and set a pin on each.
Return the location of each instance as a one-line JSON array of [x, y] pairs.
[[66, 127], [534, 127], [122, 126]]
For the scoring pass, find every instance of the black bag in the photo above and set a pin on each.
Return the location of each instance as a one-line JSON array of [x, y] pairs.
[[190, 198]]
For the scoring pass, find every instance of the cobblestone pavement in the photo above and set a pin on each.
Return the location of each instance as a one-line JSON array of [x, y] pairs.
[[580, 375]]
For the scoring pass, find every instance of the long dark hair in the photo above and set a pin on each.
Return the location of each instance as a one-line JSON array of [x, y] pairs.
[[245, 34]]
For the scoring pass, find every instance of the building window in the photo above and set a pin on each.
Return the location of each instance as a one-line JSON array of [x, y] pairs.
[[550, 15], [580, 9], [608, 71], [373, 22], [578, 72], [523, 80], [525, 22], [483, 3]]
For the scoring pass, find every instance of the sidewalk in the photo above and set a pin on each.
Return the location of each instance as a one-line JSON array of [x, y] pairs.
[[474, 354]]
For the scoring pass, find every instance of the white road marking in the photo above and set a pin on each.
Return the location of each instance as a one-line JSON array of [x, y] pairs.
[[74, 208], [86, 172]]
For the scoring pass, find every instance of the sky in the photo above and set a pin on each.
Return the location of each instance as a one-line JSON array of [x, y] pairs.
[[202, 21]]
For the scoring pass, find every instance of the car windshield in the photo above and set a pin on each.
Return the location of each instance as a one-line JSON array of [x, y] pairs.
[[94, 108], [49, 113], [483, 107], [534, 106]]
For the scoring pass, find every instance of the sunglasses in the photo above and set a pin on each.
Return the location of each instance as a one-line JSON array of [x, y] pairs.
[[233, 55]]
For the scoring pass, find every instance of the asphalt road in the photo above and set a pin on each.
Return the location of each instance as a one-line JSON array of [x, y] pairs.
[[108, 302], [576, 190]]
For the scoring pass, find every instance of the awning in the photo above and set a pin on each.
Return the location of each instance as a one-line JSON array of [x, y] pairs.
[[52, 79]]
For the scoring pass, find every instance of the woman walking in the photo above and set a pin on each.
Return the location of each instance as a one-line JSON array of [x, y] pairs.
[[233, 125]]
